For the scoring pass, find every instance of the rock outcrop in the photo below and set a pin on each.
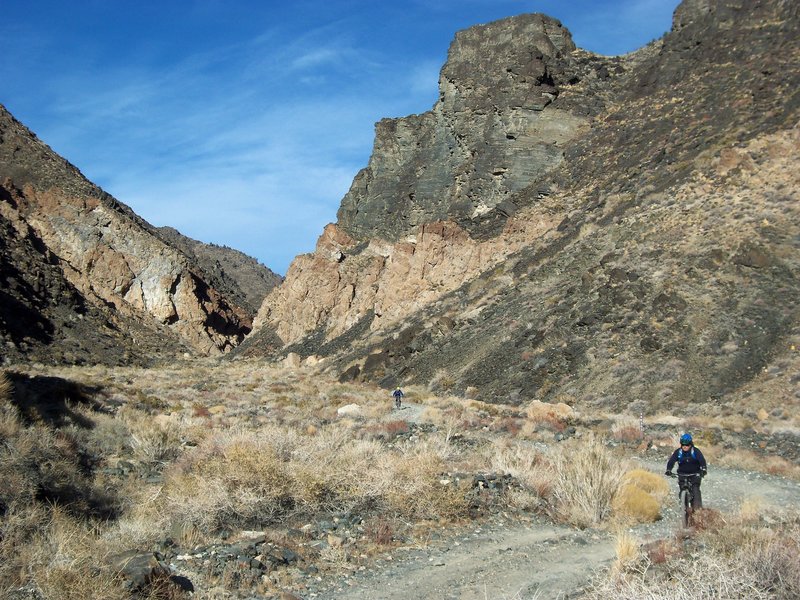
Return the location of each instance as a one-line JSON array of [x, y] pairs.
[[423, 217], [108, 256], [650, 261], [507, 107], [238, 277]]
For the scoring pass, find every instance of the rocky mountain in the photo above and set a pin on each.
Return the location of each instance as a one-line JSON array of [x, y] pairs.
[[239, 277], [620, 231], [87, 280]]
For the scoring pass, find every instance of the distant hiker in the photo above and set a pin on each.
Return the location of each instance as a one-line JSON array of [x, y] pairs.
[[690, 462], [398, 396]]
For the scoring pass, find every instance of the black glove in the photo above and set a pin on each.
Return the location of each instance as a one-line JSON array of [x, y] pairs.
[[669, 474], [703, 472]]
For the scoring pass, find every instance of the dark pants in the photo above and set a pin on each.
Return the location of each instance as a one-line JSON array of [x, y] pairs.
[[697, 496], [697, 499]]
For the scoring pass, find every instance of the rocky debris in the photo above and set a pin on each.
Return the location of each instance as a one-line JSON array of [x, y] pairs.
[[145, 571], [348, 410], [247, 562]]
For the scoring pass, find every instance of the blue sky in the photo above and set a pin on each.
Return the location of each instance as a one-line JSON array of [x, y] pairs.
[[243, 123]]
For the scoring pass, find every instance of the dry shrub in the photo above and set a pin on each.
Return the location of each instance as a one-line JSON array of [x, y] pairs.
[[528, 500], [442, 381], [508, 425], [648, 481], [155, 444], [19, 527], [449, 417], [661, 551], [433, 415], [416, 489], [40, 464], [640, 496], [199, 410], [751, 509], [750, 461], [6, 389], [556, 416], [246, 479], [379, 530], [64, 561], [587, 477], [626, 548], [707, 519], [634, 504], [525, 463], [736, 422], [733, 560], [627, 433], [229, 480], [395, 428]]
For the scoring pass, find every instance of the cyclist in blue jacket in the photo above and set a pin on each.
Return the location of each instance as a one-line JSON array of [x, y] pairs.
[[398, 396], [690, 462]]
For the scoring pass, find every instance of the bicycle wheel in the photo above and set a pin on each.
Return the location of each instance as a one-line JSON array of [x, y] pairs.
[[686, 504]]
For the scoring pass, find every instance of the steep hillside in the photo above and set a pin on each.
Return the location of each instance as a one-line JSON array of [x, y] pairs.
[[652, 260], [73, 251], [44, 318], [240, 278], [422, 217]]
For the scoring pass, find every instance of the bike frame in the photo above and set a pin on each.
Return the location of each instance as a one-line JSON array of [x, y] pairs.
[[686, 495]]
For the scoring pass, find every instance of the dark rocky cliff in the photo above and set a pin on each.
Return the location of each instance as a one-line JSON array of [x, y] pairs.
[[651, 261], [511, 96]]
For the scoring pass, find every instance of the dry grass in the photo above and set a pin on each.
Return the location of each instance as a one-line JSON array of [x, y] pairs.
[[246, 446], [6, 389], [58, 552], [735, 559], [587, 477], [626, 549], [640, 497], [750, 461]]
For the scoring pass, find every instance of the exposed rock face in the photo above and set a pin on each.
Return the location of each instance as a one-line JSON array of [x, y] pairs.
[[238, 277], [654, 266], [505, 111], [109, 256], [44, 318], [416, 222]]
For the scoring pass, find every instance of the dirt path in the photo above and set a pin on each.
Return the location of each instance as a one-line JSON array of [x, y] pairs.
[[408, 411], [494, 562], [520, 561]]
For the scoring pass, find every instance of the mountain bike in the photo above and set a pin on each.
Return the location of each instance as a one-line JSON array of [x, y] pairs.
[[398, 400], [686, 494]]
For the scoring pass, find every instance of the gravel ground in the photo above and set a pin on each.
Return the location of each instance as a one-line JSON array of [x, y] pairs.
[[509, 559]]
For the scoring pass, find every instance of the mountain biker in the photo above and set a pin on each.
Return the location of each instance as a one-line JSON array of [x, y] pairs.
[[398, 396], [690, 462]]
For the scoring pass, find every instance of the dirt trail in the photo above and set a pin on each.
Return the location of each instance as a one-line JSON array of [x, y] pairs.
[[498, 562], [536, 559]]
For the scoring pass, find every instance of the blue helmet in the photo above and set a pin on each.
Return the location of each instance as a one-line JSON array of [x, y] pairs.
[[686, 439]]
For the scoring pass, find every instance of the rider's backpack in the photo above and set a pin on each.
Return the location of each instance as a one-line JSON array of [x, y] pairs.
[[680, 454]]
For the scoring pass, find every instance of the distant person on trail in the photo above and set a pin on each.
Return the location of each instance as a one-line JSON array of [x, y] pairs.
[[398, 396], [690, 462]]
